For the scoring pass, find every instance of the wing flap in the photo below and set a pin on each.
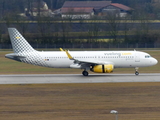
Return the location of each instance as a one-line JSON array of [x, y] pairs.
[[95, 62]]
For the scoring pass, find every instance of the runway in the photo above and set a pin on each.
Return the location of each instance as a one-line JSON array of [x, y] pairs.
[[77, 78]]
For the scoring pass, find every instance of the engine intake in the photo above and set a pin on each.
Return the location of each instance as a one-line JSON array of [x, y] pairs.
[[103, 68]]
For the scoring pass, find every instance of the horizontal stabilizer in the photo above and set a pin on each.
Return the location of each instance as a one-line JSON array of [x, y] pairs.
[[14, 56]]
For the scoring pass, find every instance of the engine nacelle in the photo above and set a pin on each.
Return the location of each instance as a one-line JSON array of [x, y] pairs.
[[103, 68]]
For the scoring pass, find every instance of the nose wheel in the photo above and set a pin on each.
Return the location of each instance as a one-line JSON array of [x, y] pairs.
[[136, 71], [85, 73]]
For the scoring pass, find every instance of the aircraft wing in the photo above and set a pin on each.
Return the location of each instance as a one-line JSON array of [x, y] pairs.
[[87, 62], [93, 62]]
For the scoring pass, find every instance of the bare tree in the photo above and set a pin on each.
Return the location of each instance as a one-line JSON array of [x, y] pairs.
[[65, 31], [44, 27], [2, 8], [113, 21], [126, 25], [93, 32], [39, 8]]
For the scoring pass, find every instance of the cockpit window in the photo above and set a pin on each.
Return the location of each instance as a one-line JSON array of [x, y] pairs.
[[147, 56]]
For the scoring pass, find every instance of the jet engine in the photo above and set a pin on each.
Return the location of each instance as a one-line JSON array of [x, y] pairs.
[[102, 68]]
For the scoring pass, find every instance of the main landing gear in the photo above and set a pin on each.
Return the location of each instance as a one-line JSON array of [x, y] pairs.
[[85, 73], [136, 71]]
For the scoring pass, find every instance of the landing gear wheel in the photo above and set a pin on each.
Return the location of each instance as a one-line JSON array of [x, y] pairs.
[[136, 73], [85, 73]]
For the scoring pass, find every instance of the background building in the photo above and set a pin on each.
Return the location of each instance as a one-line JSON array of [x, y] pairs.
[[88, 9], [38, 9]]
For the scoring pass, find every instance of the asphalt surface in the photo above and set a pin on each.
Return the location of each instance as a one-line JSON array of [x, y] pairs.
[[77, 78]]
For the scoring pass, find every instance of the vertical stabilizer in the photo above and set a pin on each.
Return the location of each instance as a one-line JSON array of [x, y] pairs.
[[19, 43]]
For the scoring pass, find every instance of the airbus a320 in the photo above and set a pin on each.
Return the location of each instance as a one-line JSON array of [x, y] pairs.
[[95, 61]]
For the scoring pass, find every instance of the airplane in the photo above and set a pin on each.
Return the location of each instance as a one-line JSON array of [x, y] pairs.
[[95, 61]]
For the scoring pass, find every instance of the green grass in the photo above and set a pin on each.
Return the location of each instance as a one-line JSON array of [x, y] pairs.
[[8, 66]]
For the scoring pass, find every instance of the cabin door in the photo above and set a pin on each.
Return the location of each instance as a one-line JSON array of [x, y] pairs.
[[137, 57]]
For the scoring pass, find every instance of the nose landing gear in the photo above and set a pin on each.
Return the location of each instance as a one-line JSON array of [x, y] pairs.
[[136, 71]]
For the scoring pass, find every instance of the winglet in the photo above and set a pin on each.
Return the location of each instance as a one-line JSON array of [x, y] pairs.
[[61, 49], [69, 56]]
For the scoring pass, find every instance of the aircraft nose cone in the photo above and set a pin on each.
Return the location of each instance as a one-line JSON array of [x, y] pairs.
[[155, 61]]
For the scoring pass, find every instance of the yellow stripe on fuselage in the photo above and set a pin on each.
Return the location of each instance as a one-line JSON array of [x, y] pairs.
[[126, 53]]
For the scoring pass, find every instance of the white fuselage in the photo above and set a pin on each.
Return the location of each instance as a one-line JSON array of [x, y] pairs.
[[120, 59]]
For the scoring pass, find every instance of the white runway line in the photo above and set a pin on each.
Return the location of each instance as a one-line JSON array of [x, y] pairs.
[[77, 78]]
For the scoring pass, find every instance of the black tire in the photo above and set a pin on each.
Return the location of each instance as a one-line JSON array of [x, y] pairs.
[[85, 73], [136, 73]]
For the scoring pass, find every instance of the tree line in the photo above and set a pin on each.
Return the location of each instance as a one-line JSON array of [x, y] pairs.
[[57, 30], [116, 31]]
